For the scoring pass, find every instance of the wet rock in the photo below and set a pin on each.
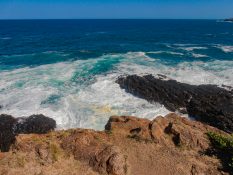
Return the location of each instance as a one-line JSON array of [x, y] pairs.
[[207, 103], [7, 134], [38, 124]]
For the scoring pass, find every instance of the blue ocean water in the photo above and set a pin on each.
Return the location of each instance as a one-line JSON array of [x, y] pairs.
[[66, 69]]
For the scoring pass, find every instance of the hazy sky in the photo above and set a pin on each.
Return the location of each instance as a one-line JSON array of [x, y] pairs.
[[40, 9]]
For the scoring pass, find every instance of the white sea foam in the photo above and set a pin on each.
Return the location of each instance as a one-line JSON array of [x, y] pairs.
[[28, 90], [226, 49], [192, 48], [166, 52], [5, 38], [212, 72], [88, 107], [182, 45], [33, 54], [195, 55]]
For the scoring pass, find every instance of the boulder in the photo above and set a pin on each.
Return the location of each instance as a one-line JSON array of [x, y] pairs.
[[92, 148], [110, 161], [38, 124]]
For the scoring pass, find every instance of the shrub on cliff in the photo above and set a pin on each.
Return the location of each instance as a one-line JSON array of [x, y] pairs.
[[223, 147]]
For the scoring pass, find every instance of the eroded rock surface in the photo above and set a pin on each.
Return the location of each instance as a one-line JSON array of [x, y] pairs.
[[207, 103], [169, 145]]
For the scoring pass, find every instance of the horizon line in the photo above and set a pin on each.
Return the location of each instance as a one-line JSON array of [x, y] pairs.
[[112, 18]]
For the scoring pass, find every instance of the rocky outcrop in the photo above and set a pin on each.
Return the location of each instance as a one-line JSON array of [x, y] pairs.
[[183, 132], [10, 127], [7, 134], [169, 145], [207, 103], [228, 20], [38, 124]]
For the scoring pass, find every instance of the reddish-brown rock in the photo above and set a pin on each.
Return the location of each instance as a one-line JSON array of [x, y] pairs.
[[169, 145]]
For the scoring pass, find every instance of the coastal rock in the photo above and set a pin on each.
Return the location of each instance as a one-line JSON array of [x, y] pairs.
[[169, 145], [207, 103], [10, 127], [130, 126], [110, 161], [7, 133], [228, 20], [38, 124], [93, 149], [182, 131]]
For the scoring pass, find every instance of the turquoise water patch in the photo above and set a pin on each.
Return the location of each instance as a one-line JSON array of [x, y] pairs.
[[87, 71], [52, 99]]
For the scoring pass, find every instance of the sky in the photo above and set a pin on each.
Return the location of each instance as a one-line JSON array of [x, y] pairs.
[[116, 9]]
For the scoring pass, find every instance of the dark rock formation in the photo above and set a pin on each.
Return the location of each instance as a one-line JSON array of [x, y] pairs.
[[7, 134], [38, 124], [228, 20], [206, 103], [10, 127]]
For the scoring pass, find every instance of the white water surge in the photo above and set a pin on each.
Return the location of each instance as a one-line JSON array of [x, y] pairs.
[[76, 95]]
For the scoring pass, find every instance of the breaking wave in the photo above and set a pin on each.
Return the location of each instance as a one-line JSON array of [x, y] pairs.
[[83, 93], [226, 49]]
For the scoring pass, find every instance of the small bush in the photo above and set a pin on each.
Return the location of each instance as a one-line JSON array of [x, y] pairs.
[[223, 147]]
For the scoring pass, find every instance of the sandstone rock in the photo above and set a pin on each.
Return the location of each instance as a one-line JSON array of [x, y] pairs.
[[95, 150], [129, 126], [169, 145], [183, 132], [110, 161]]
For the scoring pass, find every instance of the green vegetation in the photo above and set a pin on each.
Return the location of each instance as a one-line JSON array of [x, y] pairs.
[[109, 132], [223, 147]]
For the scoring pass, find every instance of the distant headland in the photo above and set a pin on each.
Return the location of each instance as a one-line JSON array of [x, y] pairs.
[[228, 20]]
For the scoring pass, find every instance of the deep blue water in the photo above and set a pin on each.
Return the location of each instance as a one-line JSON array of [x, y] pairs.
[[100, 37], [67, 68]]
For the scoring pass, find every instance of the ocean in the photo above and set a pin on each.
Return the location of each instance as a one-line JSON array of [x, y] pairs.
[[66, 69]]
